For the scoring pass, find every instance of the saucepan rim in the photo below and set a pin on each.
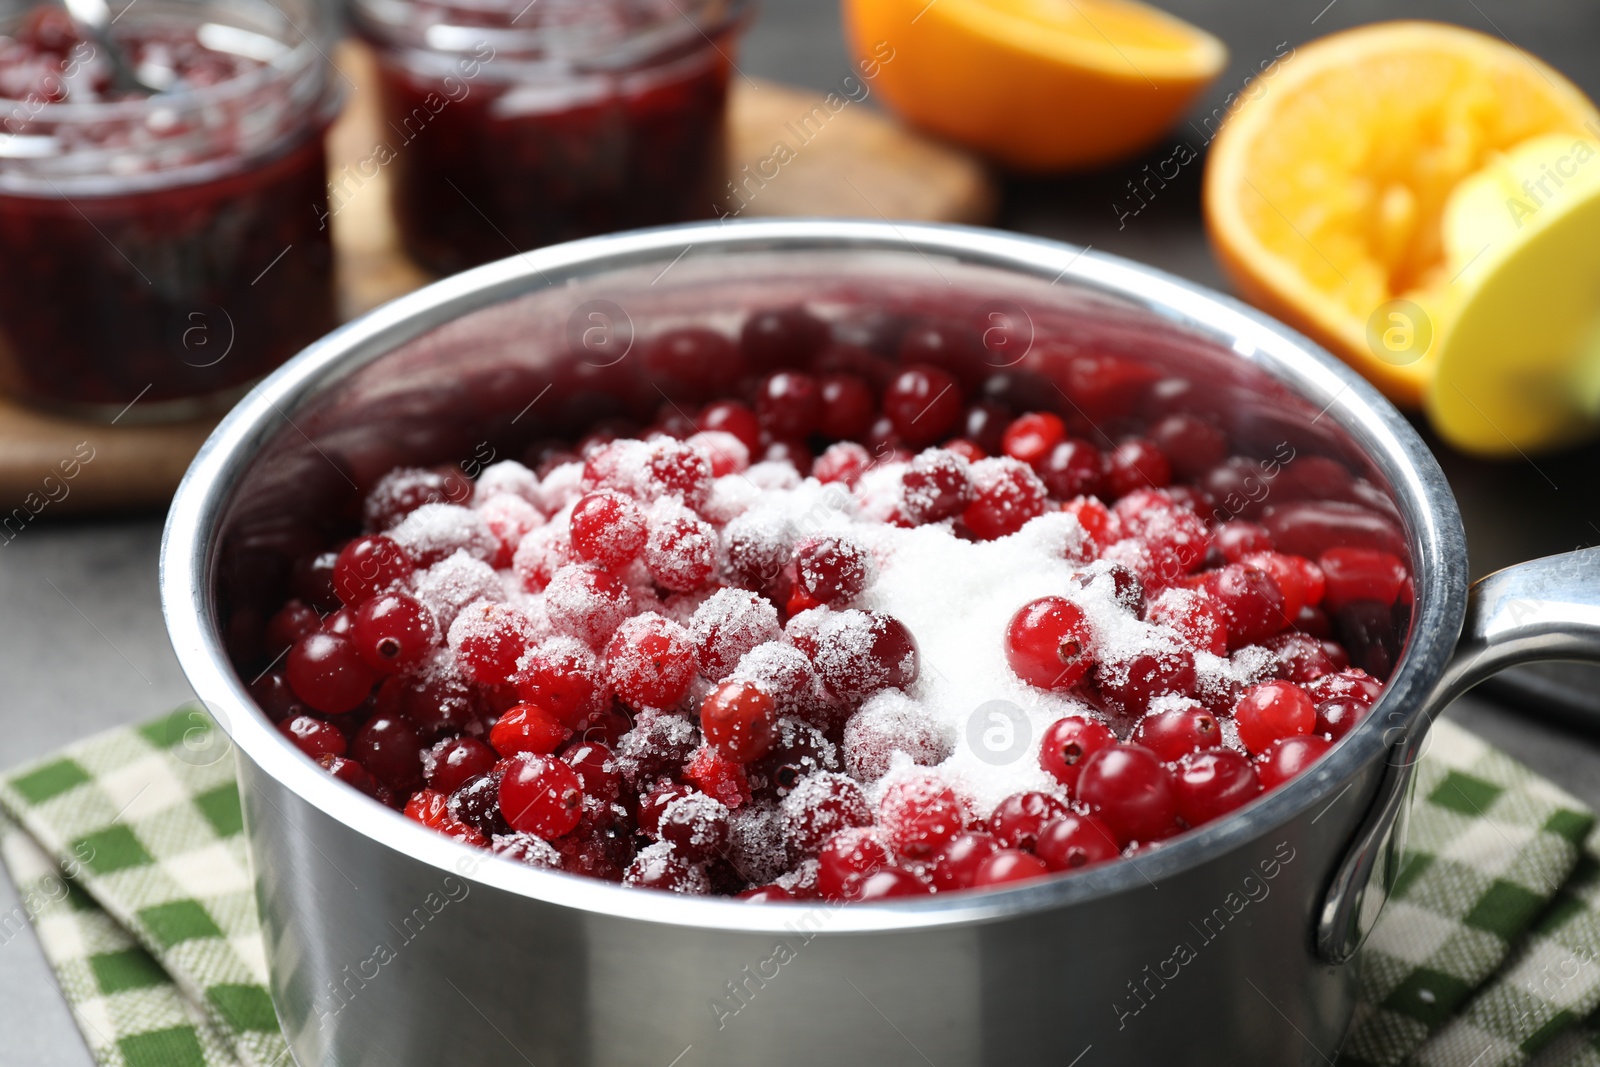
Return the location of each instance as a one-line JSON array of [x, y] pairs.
[[1433, 529]]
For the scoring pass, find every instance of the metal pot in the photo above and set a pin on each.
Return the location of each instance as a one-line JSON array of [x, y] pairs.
[[389, 944]]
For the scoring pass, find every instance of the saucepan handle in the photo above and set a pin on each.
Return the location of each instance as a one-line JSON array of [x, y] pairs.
[[1546, 609]]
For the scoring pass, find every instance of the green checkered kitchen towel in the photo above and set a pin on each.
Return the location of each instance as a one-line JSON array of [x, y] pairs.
[[129, 859]]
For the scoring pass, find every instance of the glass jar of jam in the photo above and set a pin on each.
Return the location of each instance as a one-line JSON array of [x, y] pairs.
[[513, 125], [165, 243]]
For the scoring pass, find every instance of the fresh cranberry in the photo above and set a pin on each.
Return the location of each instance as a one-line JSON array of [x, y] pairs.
[[1049, 644], [488, 639], [1067, 743], [1072, 468], [312, 581], [1017, 820], [1007, 866], [1136, 464], [327, 672], [1005, 495], [389, 748], [1303, 658], [290, 623], [984, 424], [888, 883], [661, 868], [919, 815], [1096, 520], [847, 859], [847, 406], [956, 864], [1361, 574], [861, 652], [272, 694], [923, 403], [449, 764], [1174, 734], [1191, 445], [1197, 617], [541, 796], [393, 632], [948, 346], [1074, 841], [818, 807], [1300, 581], [696, 825], [650, 662], [313, 736], [585, 602], [693, 357], [596, 768], [608, 528], [367, 566], [655, 802], [936, 486], [1272, 711], [1237, 538], [1335, 718], [1212, 783], [967, 450], [655, 749], [340, 622], [1251, 603], [1287, 758], [730, 416], [789, 404], [738, 717], [1031, 437], [680, 551], [561, 676], [352, 774], [1131, 791], [1129, 679], [710, 770], [782, 337], [843, 462], [527, 728], [832, 570]]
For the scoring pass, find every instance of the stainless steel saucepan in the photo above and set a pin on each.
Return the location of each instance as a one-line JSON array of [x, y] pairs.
[[391, 945]]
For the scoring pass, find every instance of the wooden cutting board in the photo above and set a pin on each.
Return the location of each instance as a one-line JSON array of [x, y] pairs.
[[857, 164]]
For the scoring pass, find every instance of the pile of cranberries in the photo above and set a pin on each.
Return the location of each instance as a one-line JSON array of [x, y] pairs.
[[609, 663]]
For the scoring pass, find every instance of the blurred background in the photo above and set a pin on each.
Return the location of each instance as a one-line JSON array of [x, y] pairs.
[[82, 645]]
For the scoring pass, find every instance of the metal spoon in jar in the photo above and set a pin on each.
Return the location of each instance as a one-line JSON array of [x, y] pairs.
[[93, 18]]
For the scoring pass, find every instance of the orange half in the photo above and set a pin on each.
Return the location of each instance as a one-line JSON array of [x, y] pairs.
[[1324, 196], [1038, 85]]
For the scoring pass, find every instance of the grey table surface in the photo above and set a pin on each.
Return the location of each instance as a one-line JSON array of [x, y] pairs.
[[82, 646]]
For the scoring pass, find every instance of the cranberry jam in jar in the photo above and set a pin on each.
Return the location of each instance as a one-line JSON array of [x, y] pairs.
[[165, 244], [515, 125]]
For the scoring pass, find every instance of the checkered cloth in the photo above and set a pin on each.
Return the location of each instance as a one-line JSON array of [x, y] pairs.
[[133, 870]]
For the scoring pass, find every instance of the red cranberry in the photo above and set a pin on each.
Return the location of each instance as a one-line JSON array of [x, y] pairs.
[[587, 603], [313, 736], [312, 581], [488, 639], [1048, 643], [327, 672], [654, 803], [541, 796], [730, 416], [367, 566], [1072, 468], [1237, 539], [1017, 819], [1174, 734], [290, 623], [656, 748], [936, 486], [717, 776], [1211, 784], [818, 807], [844, 462], [1136, 464], [956, 864], [340, 622], [693, 357], [449, 764], [924, 404], [680, 551], [272, 694], [1251, 603], [660, 867], [1131, 791], [393, 632], [847, 859], [738, 717], [608, 528], [887, 883], [1032, 437], [919, 815], [1074, 841], [782, 337], [789, 404], [1272, 711], [650, 662], [1197, 618], [1067, 743], [1005, 495], [389, 748], [1354, 574], [1302, 658], [832, 570], [949, 347], [695, 825], [1007, 866], [847, 406], [1288, 757], [350, 773], [527, 728], [561, 676], [1096, 520], [861, 652], [1130, 679], [1192, 445], [596, 768], [477, 804], [1335, 718]]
